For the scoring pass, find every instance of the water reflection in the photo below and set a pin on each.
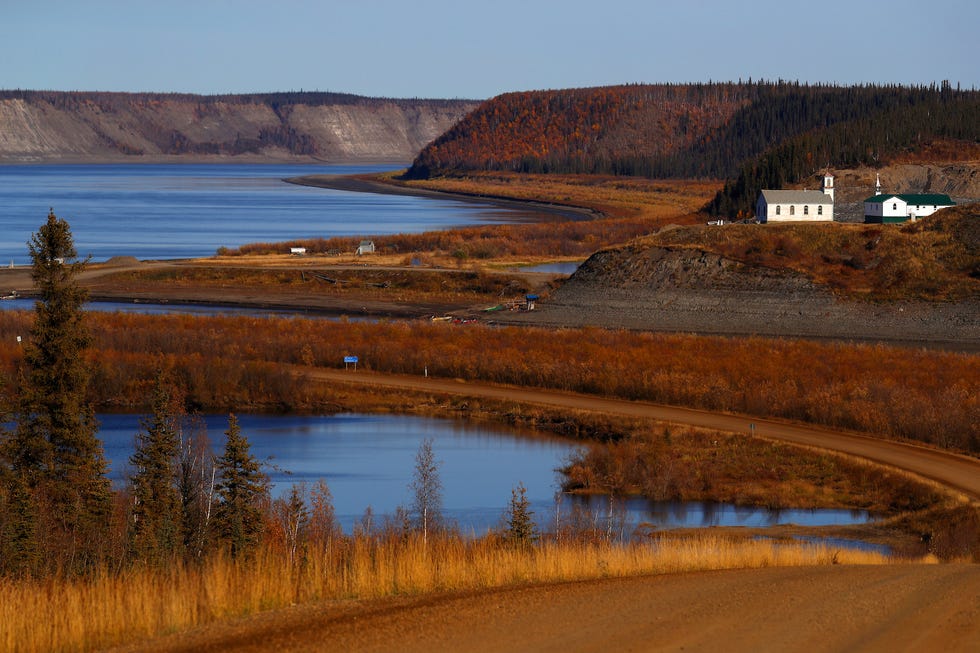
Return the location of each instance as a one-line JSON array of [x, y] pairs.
[[368, 460], [702, 514]]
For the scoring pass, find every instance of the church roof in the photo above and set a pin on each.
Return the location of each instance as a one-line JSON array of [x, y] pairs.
[[796, 197], [918, 199]]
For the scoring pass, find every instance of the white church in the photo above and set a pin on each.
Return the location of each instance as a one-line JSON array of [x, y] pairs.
[[797, 205]]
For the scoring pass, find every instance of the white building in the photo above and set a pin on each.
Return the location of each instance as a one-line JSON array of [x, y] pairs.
[[366, 247], [899, 208], [797, 205]]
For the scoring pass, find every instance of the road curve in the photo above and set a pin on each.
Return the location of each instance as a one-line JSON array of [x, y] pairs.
[[957, 472], [900, 607]]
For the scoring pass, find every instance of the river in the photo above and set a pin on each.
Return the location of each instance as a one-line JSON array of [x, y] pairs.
[[167, 211]]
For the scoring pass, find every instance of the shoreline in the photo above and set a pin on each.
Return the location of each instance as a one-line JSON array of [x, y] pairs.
[[369, 183]]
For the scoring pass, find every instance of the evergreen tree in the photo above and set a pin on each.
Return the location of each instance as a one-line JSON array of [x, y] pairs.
[[521, 530], [427, 489], [54, 450], [241, 489], [155, 518]]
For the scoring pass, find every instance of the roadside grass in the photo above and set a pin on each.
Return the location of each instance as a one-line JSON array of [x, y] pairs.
[[114, 608]]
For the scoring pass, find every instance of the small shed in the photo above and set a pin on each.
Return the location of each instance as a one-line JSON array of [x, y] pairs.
[[297, 251], [366, 247]]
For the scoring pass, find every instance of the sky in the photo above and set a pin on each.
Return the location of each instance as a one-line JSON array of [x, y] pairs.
[[476, 50]]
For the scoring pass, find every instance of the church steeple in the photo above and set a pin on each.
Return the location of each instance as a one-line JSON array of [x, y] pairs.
[[877, 184], [828, 185]]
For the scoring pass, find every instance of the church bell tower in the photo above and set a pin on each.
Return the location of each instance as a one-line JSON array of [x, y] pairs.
[[828, 185]]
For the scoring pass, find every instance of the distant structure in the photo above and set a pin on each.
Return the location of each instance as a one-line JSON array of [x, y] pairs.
[[888, 208], [797, 205], [366, 247]]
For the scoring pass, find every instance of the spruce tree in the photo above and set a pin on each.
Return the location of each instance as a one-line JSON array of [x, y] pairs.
[[241, 488], [155, 518], [54, 450], [521, 530]]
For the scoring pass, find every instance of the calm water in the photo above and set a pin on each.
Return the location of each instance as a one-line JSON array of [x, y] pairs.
[[146, 308], [368, 460], [190, 210], [553, 268]]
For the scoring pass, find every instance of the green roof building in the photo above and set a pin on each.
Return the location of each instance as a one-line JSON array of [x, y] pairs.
[[890, 208]]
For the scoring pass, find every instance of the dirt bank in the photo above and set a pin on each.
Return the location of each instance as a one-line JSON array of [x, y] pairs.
[[692, 291]]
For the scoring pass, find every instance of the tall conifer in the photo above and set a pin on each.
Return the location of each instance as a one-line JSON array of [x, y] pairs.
[[54, 450], [240, 492], [155, 518]]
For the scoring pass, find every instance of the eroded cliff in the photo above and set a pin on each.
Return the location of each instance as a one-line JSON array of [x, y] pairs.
[[42, 126]]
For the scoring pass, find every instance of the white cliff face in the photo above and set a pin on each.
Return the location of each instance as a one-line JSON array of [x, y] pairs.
[[80, 127]]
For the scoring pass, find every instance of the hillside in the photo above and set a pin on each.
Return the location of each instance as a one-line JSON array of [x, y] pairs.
[[39, 126], [756, 135], [916, 282]]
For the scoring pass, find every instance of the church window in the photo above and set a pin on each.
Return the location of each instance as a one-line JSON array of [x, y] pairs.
[[819, 210], [806, 210], [777, 209], [792, 210]]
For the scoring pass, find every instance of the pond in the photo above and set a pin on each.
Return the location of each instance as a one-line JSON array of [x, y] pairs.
[[368, 460]]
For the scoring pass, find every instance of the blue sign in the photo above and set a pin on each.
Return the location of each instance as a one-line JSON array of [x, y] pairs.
[[350, 359]]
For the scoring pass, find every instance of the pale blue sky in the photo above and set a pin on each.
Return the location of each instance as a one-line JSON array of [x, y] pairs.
[[459, 49]]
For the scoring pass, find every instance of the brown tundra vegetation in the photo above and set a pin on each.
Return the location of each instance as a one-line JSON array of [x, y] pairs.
[[240, 363]]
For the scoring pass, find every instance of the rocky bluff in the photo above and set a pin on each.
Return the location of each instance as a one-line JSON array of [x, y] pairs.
[[49, 126]]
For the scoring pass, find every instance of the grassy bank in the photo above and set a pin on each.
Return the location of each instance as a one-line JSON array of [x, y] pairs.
[[113, 608]]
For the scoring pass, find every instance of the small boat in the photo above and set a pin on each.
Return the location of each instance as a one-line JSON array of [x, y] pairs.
[[11, 295]]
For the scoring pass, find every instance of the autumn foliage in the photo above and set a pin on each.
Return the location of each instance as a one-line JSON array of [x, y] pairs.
[[237, 363]]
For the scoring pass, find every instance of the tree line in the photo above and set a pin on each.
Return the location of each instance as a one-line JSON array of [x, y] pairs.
[[762, 134]]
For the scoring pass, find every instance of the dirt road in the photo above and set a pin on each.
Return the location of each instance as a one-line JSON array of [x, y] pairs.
[[959, 472], [890, 608]]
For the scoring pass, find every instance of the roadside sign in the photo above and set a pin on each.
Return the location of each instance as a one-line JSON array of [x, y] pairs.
[[350, 360]]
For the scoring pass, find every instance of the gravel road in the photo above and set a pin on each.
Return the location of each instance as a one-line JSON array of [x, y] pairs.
[[811, 609]]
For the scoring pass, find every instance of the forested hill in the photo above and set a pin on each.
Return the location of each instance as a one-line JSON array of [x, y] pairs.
[[754, 134], [85, 126]]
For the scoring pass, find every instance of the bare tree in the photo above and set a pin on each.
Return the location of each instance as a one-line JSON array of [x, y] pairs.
[[427, 490]]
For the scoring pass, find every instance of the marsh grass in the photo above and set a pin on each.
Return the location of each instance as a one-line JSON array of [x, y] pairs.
[[113, 608]]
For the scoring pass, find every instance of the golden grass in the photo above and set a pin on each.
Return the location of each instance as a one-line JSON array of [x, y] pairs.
[[113, 608]]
